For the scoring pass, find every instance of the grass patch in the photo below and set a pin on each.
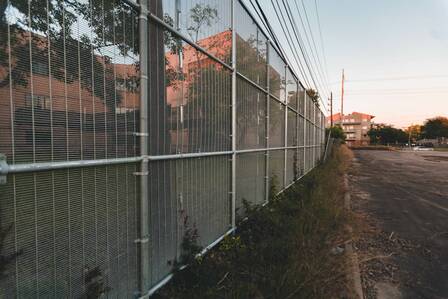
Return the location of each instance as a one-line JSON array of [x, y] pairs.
[[283, 250]]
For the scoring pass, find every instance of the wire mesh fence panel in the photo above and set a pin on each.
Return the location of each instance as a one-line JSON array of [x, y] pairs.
[[251, 116], [207, 196], [250, 180], [66, 226], [309, 133], [251, 48], [71, 90], [301, 130], [291, 89], [186, 196], [309, 108], [301, 161], [277, 75], [190, 97], [164, 214], [206, 23], [277, 169], [292, 162], [71, 87], [276, 123], [301, 107], [310, 158], [292, 128]]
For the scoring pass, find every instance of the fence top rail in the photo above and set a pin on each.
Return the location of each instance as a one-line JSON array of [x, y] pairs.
[[55, 165]]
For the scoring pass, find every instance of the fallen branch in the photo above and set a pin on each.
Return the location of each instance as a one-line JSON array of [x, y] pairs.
[[376, 257], [222, 279]]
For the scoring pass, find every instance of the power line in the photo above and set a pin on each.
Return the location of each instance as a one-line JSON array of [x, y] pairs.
[[435, 88], [300, 43], [286, 32], [307, 56], [293, 49], [398, 93], [274, 38], [410, 93], [272, 33], [314, 43], [303, 57], [303, 49], [397, 78], [321, 39]]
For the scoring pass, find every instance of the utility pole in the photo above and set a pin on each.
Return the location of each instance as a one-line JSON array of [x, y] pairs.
[[331, 109], [342, 96]]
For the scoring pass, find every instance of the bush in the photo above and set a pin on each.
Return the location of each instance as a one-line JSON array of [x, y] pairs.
[[336, 132]]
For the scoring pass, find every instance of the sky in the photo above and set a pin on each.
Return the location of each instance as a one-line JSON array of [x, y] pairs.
[[394, 53]]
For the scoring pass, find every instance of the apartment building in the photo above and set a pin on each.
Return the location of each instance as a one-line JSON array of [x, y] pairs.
[[355, 125]]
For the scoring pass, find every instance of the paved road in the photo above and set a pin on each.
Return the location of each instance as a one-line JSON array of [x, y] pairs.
[[408, 194]]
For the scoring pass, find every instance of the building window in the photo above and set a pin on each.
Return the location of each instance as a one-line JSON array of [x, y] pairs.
[[39, 101], [40, 68]]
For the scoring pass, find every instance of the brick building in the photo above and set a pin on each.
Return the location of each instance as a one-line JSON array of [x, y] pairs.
[[355, 125]]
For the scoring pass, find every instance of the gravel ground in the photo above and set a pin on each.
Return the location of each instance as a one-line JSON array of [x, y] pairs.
[[400, 200]]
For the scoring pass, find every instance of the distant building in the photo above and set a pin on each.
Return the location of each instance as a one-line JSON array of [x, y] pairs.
[[355, 125]]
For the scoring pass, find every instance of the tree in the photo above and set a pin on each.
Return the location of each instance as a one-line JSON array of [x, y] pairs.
[[414, 132], [314, 95], [435, 128], [43, 32], [386, 134], [336, 132]]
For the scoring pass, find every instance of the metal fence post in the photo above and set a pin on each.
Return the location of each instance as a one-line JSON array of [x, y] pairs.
[[326, 145], [144, 212], [314, 134], [285, 151], [305, 143], [297, 132], [268, 45], [233, 115]]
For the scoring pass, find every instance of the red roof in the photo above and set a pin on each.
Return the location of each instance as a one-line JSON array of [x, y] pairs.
[[337, 116]]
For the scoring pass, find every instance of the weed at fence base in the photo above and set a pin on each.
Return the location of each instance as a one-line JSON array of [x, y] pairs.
[[282, 250]]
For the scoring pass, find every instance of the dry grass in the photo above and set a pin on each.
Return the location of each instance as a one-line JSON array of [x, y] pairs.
[[284, 250]]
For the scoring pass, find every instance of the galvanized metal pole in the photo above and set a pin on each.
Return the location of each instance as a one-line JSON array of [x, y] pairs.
[[297, 131], [314, 132], [331, 109], [233, 116], [305, 122], [268, 44], [285, 151], [144, 205]]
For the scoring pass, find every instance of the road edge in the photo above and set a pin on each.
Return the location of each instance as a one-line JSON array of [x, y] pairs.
[[355, 276]]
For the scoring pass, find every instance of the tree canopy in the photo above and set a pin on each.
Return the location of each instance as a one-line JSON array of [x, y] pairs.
[[386, 134], [336, 132], [436, 127]]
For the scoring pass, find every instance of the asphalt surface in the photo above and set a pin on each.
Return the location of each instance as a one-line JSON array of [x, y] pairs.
[[407, 194]]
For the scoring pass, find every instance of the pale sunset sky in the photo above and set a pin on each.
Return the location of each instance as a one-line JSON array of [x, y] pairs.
[[394, 52]]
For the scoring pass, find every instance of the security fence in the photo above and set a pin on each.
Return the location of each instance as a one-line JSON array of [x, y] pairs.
[[123, 125]]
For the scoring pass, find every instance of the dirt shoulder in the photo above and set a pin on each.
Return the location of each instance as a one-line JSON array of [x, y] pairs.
[[400, 202]]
